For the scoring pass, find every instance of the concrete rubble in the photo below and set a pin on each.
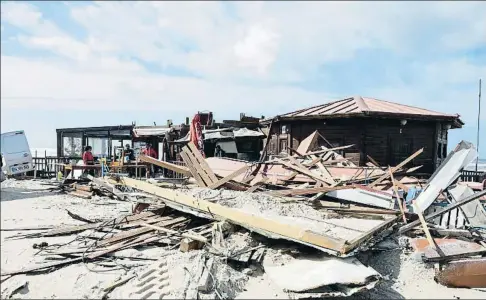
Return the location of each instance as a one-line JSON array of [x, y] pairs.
[[308, 225]]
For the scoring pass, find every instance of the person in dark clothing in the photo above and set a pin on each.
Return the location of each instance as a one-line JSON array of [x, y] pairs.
[[129, 152], [218, 152], [88, 159], [130, 155]]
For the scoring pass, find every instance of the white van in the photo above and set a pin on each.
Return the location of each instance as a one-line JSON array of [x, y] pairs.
[[16, 157]]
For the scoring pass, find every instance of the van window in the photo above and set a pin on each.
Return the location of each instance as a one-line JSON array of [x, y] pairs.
[[14, 144]]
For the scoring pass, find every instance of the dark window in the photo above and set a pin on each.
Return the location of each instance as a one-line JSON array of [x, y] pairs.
[[444, 150]]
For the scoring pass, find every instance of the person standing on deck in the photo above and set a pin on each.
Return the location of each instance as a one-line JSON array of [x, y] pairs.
[[88, 159], [149, 151]]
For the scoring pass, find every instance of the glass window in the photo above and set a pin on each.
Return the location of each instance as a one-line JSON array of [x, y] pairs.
[[72, 146], [99, 145]]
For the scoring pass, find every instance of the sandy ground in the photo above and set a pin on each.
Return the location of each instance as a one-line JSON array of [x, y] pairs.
[[28, 204]]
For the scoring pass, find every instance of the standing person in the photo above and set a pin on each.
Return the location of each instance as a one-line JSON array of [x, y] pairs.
[[88, 159], [130, 155], [129, 152], [149, 151]]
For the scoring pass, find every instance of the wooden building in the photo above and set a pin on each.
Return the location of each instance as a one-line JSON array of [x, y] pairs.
[[386, 131]]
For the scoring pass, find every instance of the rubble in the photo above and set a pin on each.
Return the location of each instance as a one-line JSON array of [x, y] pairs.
[[310, 225]]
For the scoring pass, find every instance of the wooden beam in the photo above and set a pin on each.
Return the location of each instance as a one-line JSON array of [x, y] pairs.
[[400, 204], [193, 170], [229, 177], [306, 172], [308, 191], [265, 148], [178, 169], [426, 230], [202, 162], [250, 221], [398, 167], [441, 212], [374, 162], [191, 236], [328, 150]]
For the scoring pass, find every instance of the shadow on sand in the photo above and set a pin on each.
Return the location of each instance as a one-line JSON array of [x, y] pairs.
[[10, 194]]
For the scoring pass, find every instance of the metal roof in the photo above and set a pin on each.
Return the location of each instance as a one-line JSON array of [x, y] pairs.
[[363, 106]]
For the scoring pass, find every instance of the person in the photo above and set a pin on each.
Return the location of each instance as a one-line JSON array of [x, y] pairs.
[[88, 159], [218, 152], [129, 152], [149, 151]]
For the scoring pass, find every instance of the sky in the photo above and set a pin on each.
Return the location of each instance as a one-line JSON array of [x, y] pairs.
[[73, 64]]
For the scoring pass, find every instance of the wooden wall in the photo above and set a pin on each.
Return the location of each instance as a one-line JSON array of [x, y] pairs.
[[385, 140]]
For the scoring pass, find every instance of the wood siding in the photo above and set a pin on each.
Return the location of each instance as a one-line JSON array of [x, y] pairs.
[[385, 140]]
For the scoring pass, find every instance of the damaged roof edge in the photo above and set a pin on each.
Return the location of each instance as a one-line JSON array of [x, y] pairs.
[[456, 122]]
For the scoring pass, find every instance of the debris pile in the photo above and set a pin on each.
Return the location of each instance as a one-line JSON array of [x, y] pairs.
[[304, 223]]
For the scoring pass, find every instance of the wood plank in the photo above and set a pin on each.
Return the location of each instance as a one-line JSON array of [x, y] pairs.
[[400, 205], [306, 172], [443, 211], [398, 167], [308, 191], [197, 167], [230, 177], [163, 164], [193, 170], [426, 231], [195, 237], [202, 162], [247, 220], [139, 231], [374, 162]]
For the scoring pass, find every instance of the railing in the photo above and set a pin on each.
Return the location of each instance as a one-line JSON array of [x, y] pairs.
[[47, 166], [172, 174], [473, 176]]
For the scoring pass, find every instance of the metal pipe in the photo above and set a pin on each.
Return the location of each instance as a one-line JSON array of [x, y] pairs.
[[479, 117]]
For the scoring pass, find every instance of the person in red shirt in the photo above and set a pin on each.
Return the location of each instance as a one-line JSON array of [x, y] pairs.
[[88, 159], [149, 151]]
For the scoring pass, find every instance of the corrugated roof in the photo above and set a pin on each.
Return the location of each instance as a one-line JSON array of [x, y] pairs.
[[362, 105]]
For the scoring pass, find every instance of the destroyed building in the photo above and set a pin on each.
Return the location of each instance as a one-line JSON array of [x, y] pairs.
[[381, 132]]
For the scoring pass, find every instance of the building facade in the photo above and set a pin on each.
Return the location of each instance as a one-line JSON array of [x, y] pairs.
[[385, 131]]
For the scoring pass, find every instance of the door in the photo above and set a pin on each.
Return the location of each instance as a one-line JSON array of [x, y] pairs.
[[399, 149]]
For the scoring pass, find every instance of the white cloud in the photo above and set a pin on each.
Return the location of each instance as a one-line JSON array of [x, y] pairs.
[[272, 42]]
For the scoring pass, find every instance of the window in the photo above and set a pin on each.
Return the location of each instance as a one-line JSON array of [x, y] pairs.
[[444, 150], [99, 145], [72, 146]]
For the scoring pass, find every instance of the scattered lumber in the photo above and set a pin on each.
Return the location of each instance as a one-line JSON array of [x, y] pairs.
[[167, 165]]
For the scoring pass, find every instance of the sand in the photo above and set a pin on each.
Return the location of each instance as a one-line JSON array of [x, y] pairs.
[[27, 203]]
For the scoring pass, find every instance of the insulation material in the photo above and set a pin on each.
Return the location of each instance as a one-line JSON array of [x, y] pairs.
[[446, 174], [323, 276]]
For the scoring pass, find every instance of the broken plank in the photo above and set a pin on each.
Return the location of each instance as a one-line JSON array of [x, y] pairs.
[[139, 231], [441, 212], [166, 165], [202, 162], [192, 169], [185, 235], [307, 191], [229, 177], [398, 167], [271, 228], [197, 166], [306, 172], [431, 241], [400, 204]]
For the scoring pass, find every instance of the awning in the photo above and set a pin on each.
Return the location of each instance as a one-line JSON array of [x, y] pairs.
[[227, 133], [151, 131]]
